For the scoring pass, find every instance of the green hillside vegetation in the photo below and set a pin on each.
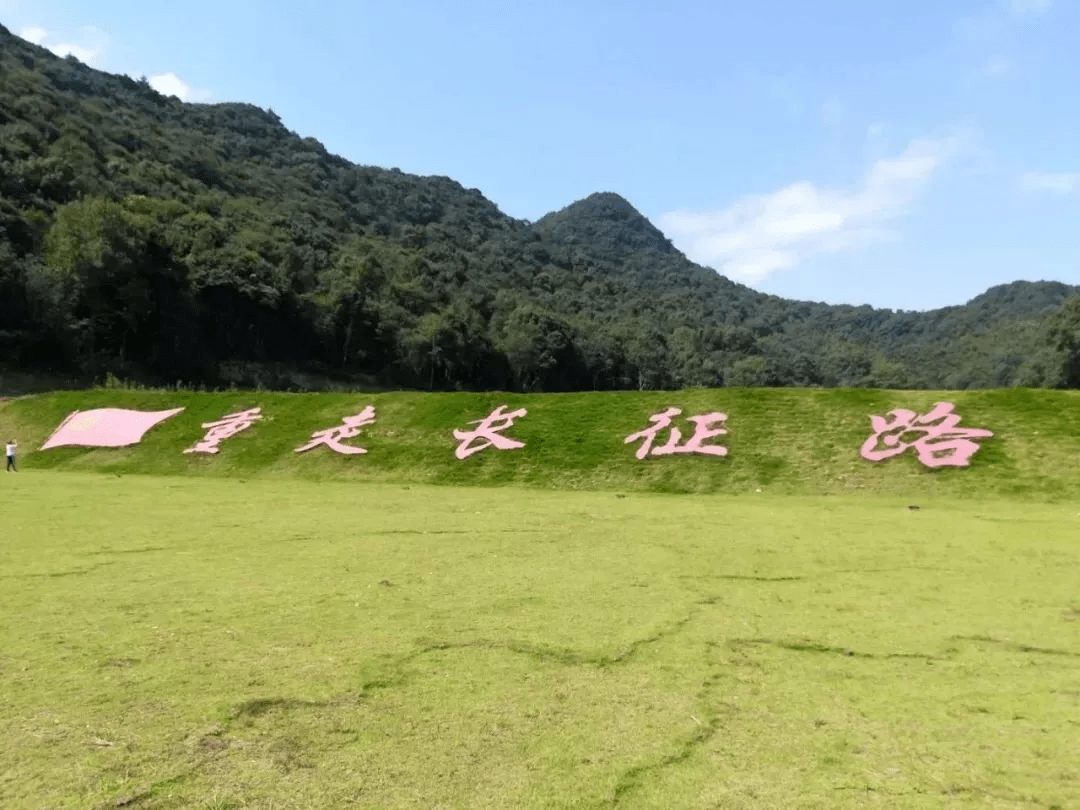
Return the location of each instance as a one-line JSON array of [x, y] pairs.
[[165, 242], [786, 441]]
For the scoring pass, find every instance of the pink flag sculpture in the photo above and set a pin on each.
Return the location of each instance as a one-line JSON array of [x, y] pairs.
[[487, 433], [223, 428], [706, 426], [937, 440], [332, 437], [106, 427]]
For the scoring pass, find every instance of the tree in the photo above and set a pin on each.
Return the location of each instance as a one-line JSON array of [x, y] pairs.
[[748, 372], [540, 349], [346, 299], [1064, 331], [92, 283]]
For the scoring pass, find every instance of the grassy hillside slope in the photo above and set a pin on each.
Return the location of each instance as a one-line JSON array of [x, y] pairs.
[[779, 441]]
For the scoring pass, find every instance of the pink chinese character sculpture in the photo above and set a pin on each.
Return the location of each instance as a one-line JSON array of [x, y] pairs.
[[349, 428], [226, 426], [937, 440], [487, 433], [706, 426]]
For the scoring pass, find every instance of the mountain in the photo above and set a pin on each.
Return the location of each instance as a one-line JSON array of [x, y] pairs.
[[151, 240], [608, 225]]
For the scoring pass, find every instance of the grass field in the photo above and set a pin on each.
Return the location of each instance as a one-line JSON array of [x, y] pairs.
[[221, 642]]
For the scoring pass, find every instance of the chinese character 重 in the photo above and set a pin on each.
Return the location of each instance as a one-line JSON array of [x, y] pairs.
[[226, 426]]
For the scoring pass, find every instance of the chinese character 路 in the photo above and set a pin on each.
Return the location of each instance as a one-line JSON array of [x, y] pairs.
[[935, 437]]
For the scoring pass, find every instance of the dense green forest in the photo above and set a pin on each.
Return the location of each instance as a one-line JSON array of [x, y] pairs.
[[162, 242]]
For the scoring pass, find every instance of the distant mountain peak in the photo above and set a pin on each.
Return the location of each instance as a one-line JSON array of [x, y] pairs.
[[615, 203], [608, 224]]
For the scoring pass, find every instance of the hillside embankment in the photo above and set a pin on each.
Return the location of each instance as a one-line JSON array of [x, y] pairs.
[[781, 441]]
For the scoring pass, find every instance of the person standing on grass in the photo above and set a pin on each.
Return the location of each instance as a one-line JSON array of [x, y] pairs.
[[10, 448]]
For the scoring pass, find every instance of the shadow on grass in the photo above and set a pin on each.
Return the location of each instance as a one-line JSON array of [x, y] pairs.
[[260, 706]]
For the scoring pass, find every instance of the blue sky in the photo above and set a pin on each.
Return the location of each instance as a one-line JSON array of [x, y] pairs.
[[905, 155]]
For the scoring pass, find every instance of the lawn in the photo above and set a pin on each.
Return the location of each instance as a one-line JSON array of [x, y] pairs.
[[211, 642]]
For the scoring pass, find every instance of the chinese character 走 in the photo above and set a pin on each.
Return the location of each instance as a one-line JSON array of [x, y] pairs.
[[706, 426], [488, 433], [349, 428], [937, 440], [226, 426]]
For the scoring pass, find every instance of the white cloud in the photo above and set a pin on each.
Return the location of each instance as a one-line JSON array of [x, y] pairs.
[[80, 52], [1052, 182], [995, 34], [761, 234], [169, 84], [92, 41], [90, 45], [876, 130], [33, 34], [834, 113], [1028, 8]]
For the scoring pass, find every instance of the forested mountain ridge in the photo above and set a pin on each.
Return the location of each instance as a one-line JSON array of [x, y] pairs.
[[163, 241]]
